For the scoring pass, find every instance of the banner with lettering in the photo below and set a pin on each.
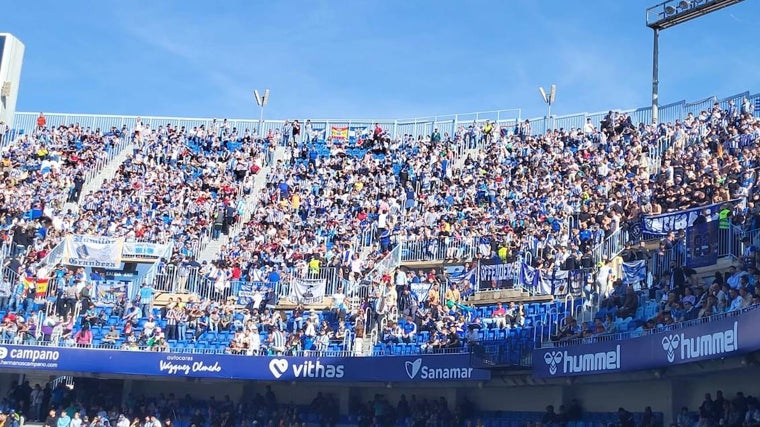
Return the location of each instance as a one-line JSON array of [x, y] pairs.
[[728, 335], [420, 368], [494, 270], [93, 251], [307, 291], [460, 274], [660, 225], [702, 244], [339, 133], [421, 289]]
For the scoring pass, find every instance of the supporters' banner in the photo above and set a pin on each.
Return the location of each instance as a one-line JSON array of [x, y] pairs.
[[702, 245], [420, 289], [528, 276], [93, 251], [635, 272], [493, 270], [110, 292], [251, 292], [356, 133], [553, 282], [40, 287], [422, 368], [731, 335], [576, 281], [459, 274], [339, 133], [318, 131], [663, 224], [307, 291]]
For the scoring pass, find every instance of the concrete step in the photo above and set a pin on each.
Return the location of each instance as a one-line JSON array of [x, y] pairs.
[[259, 182], [108, 172]]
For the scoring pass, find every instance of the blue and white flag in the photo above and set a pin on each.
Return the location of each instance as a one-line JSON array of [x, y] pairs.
[[459, 275], [553, 282], [528, 276], [634, 272]]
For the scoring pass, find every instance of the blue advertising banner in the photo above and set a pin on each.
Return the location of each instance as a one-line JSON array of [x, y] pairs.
[[732, 335], [702, 245], [438, 367]]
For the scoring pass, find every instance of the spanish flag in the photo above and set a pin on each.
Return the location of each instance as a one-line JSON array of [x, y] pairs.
[[40, 286], [339, 133]]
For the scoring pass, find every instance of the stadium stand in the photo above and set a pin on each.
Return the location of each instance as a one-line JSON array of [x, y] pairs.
[[423, 198]]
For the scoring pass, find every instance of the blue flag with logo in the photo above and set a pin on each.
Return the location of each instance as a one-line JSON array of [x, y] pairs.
[[528, 276]]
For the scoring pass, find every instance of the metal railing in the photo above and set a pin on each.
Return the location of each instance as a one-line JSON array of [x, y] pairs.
[[321, 128], [192, 280], [414, 126], [611, 246], [439, 249], [390, 262]]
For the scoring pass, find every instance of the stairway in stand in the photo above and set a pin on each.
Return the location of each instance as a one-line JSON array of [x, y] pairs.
[[108, 172], [260, 181]]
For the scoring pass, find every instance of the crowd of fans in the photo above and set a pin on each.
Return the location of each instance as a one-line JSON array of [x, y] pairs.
[[98, 404], [42, 171], [180, 185], [553, 196]]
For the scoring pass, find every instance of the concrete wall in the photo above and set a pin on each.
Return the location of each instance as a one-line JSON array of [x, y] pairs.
[[10, 71]]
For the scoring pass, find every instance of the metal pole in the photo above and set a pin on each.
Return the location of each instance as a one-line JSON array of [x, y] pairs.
[[261, 121], [655, 75], [549, 123]]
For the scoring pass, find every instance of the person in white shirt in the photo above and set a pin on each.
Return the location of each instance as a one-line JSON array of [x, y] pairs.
[[308, 329], [339, 306], [322, 342], [254, 342]]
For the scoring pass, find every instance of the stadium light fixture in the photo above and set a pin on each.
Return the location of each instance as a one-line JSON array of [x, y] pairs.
[[548, 99], [669, 14], [261, 101]]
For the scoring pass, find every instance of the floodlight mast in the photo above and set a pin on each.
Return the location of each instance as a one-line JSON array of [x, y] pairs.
[[669, 14], [548, 100], [261, 101]]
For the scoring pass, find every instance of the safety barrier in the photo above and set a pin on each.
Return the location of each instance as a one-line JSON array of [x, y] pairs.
[[390, 262], [416, 126], [192, 280], [440, 249]]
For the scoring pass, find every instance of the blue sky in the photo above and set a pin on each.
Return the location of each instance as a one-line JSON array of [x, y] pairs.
[[361, 59]]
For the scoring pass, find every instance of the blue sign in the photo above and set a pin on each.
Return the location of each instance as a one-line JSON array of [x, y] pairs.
[[438, 367], [733, 335]]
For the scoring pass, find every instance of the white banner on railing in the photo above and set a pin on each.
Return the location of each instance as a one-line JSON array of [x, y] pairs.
[[307, 291], [93, 251]]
